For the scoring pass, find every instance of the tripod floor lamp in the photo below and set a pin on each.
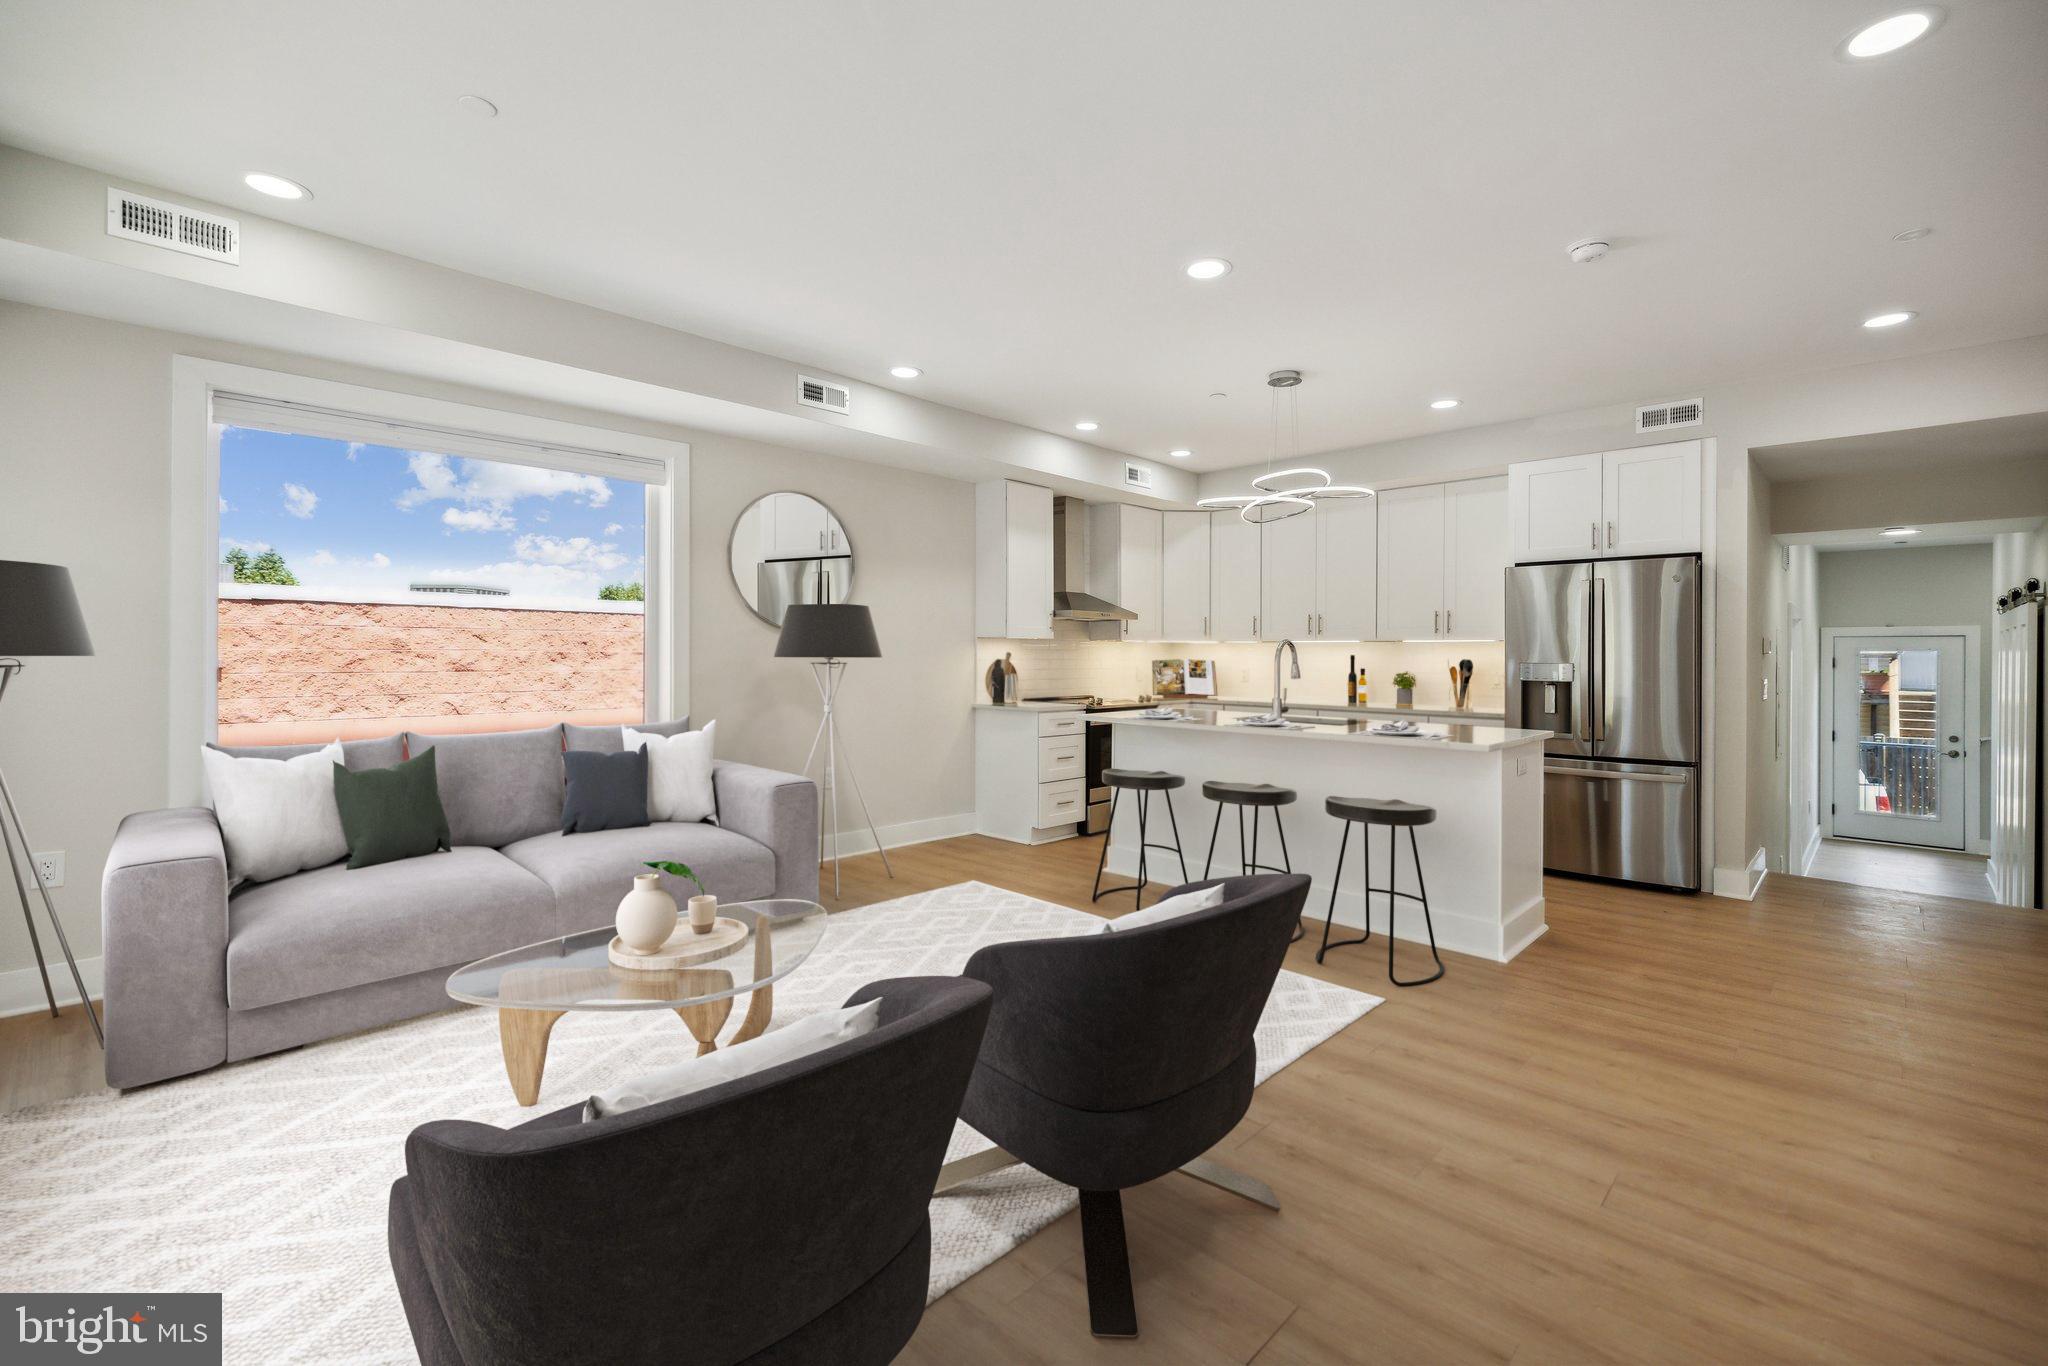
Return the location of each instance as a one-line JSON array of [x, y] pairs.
[[39, 616], [829, 634]]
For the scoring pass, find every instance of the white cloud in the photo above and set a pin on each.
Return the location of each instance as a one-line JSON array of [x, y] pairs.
[[299, 500], [571, 552], [321, 559], [380, 560], [494, 484], [253, 547], [355, 448], [226, 506], [524, 576], [476, 519], [613, 528]]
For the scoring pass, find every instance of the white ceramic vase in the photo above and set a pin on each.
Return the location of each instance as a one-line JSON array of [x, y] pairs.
[[647, 915], [703, 913]]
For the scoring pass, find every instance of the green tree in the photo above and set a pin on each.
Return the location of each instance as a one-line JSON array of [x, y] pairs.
[[268, 567], [623, 592]]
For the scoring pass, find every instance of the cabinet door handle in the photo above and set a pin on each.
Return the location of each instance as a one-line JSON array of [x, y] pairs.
[[1436, 622], [1596, 535], [1447, 621], [1205, 626], [1610, 535], [1310, 628]]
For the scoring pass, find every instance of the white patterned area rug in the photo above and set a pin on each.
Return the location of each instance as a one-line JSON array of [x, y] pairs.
[[268, 1179]]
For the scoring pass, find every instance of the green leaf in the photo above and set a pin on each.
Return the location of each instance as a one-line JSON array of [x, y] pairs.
[[674, 869]]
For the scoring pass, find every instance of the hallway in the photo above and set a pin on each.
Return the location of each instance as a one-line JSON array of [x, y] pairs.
[[1899, 868]]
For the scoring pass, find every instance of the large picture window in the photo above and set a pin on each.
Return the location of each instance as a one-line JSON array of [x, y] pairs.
[[368, 586]]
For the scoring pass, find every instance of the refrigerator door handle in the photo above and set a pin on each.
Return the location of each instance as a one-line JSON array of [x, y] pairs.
[[1604, 775], [1596, 648], [1586, 690]]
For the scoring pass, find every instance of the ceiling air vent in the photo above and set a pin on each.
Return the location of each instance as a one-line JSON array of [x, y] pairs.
[[1137, 476], [142, 219], [1687, 412], [816, 393]]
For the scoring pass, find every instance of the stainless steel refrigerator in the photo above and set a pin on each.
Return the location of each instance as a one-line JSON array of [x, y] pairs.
[[1606, 655], [804, 580]]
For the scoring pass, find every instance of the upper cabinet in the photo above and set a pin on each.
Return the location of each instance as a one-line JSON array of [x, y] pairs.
[[1443, 557], [1233, 578], [1642, 501], [1184, 578], [1012, 560], [1347, 569], [798, 526], [1125, 545], [1287, 578]]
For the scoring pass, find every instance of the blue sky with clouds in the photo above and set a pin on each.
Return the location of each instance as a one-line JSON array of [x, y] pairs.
[[352, 517]]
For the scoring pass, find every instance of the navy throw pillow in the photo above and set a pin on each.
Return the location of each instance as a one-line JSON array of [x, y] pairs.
[[606, 791]]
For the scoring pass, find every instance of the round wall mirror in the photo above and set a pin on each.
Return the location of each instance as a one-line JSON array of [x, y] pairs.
[[790, 548]]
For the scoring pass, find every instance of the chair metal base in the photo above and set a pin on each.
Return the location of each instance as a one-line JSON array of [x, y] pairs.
[[1248, 863], [962, 1170], [1421, 894], [1230, 1179], [1109, 832]]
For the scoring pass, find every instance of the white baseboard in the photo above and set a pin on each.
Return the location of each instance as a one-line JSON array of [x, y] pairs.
[[1810, 853], [858, 841], [1741, 883], [21, 990]]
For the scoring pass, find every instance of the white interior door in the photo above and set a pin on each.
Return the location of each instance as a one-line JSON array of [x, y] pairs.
[[1897, 738]]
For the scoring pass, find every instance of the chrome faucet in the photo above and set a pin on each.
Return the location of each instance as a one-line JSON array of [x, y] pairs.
[[1278, 702]]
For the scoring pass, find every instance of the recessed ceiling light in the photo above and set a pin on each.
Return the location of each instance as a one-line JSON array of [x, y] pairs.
[[1180, 455], [477, 105], [1900, 532], [1444, 403], [1912, 234], [1208, 268], [276, 186], [1086, 426], [1889, 35], [1888, 319], [905, 371]]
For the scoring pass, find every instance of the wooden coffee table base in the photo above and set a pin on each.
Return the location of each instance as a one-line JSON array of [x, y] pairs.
[[523, 1035]]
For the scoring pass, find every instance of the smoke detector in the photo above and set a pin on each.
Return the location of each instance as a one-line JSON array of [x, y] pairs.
[[1591, 249]]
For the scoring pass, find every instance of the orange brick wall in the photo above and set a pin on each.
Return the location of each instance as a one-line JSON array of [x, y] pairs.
[[295, 672]]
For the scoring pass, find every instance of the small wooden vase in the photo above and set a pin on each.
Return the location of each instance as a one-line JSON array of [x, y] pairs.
[[703, 914]]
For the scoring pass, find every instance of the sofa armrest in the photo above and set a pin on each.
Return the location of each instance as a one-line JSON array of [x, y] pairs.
[[779, 810], [164, 933]]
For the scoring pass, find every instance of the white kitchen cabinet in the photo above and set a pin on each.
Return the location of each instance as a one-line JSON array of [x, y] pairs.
[[1475, 559], [1124, 548], [1640, 501], [1287, 578], [1233, 578], [801, 525], [1184, 577], [1012, 560], [1651, 497], [1442, 552], [1411, 550], [1030, 768], [1347, 569]]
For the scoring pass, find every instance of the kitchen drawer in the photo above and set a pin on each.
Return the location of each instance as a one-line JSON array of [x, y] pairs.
[[1062, 757], [1061, 802], [1062, 723]]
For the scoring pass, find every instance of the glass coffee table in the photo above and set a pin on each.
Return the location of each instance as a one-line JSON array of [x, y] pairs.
[[535, 986]]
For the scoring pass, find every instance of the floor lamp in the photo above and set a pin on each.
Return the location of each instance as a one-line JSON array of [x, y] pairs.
[[829, 634], [39, 616]]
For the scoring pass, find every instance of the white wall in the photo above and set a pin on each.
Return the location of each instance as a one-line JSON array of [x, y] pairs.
[[84, 465], [1916, 587]]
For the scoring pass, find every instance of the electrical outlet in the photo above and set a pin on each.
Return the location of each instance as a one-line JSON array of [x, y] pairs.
[[50, 868]]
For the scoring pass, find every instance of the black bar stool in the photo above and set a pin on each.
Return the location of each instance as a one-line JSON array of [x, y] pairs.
[[1371, 811], [1144, 783], [1259, 797]]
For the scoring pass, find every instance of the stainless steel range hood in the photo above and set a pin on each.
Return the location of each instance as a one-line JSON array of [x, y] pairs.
[[1070, 556]]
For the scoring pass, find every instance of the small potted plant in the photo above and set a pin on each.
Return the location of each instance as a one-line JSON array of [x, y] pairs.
[[703, 906], [1404, 689]]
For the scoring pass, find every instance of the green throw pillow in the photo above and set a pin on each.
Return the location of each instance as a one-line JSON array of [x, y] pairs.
[[391, 813]]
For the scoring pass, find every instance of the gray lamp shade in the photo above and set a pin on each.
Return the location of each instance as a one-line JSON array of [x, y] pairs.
[[836, 630], [38, 611]]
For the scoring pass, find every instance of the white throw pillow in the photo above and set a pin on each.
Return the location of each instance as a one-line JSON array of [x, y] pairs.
[[277, 816], [1172, 908], [812, 1034], [678, 773]]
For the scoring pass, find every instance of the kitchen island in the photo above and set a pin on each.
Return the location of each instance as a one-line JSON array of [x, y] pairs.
[[1482, 858]]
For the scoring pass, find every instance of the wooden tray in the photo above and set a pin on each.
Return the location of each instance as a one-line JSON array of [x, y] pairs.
[[684, 947]]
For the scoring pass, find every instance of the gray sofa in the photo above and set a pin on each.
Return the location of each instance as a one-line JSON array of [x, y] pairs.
[[197, 974]]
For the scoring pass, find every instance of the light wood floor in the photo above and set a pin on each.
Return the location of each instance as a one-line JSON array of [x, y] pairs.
[[1811, 1127], [1934, 872]]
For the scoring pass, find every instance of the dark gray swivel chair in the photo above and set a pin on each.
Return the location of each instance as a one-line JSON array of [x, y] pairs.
[[1113, 1059], [780, 1218]]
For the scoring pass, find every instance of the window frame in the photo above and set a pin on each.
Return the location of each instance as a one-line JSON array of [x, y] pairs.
[[357, 412]]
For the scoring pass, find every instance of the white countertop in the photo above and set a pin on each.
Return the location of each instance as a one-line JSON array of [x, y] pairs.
[[1027, 706], [1374, 709], [1482, 739]]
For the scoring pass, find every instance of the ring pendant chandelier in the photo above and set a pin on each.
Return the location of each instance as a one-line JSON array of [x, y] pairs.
[[1281, 494]]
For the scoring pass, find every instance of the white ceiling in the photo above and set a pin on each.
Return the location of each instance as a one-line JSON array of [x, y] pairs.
[[1005, 194], [1990, 440]]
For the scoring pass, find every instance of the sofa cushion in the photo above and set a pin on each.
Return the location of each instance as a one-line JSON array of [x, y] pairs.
[[338, 927], [500, 787], [358, 756], [607, 739], [606, 791], [590, 872]]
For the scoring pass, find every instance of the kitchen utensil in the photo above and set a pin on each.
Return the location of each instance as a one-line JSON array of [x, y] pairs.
[[1464, 684]]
